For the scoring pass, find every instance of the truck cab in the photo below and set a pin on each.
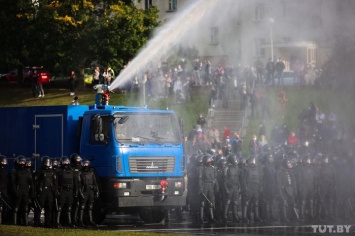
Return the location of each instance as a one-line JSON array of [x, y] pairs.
[[138, 156]]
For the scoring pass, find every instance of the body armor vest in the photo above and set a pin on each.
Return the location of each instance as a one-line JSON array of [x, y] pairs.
[[87, 178], [209, 174], [67, 178], [46, 178], [233, 176], [22, 177]]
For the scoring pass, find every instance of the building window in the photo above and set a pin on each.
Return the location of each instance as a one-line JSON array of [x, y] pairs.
[[214, 35], [172, 5], [259, 47], [148, 4], [259, 11]]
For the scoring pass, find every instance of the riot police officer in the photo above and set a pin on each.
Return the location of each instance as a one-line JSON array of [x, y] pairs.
[[33, 201], [287, 190], [269, 187], [326, 187], [193, 197], [220, 196], [226, 146], [244, 192], [68, 188], [254, 185], [89, 191], [46, 180], [306, 187], [233, 187], [207, 185], [29, 166], [3, 187], [55, 164], [23, 189], [76, 164]]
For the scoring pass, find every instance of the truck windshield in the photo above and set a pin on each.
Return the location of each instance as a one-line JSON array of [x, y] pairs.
[[146, 128]]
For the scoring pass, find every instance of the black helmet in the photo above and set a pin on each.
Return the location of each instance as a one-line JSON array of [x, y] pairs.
[[307, 159], [288, 163], [266, 148], [242, 161], [3, 161], [86, 164], [252, 160], [212, 151], [233, 159], [21, 161], [46, 162], [200, 159], [55, 163], [270, 158], [207, 159], [65, 161], [28, 163], [222, 163], [75, 159]]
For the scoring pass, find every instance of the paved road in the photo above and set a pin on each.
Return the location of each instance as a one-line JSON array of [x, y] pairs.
[[134, 224]]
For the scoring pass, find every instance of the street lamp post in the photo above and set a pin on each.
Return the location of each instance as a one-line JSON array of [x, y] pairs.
[[271, 39]]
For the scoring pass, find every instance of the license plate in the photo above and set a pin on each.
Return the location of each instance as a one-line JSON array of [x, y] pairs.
[[152, 186]]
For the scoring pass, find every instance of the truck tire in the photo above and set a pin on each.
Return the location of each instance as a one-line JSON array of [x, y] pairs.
[[152, 215]]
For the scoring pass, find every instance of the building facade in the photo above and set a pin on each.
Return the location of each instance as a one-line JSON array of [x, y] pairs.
[[239, 31]]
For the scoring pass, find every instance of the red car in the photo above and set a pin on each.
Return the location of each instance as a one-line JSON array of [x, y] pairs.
[[12, 76]]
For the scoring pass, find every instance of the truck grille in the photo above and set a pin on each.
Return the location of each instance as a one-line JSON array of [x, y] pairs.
[[151, 164]]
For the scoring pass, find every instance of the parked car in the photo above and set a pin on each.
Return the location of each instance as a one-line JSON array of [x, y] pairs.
[[13, 77]]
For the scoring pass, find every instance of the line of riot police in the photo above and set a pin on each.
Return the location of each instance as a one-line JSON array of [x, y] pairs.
[[279, 184], [62, 189]]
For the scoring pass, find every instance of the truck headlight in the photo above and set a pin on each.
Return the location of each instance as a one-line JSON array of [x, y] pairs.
[[119, 185], [178, 184]]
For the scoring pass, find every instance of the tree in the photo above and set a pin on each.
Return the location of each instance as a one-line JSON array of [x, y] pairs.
[[71, 34]]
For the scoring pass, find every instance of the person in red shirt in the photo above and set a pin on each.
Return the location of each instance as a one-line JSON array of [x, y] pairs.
[[226, 133], [292, 139]]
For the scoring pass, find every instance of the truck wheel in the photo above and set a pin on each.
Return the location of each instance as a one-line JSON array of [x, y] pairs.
[[99, 213], [152, 215]]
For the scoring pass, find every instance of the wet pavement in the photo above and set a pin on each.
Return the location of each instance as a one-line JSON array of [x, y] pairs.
[[131, 223]]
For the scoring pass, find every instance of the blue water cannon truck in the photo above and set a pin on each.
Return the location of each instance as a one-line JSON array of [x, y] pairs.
[[136, 152]]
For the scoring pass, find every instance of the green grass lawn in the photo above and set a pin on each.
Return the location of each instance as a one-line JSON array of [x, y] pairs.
[[299, 98], [11, 230]]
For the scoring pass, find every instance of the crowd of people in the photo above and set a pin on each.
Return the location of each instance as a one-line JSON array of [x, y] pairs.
[[298, 176], [64, 190], [177, 82], [225, 81]]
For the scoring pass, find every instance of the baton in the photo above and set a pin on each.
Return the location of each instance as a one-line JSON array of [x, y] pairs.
[[36, 202], [6, 204], [296, 213], [207, 199], [56, 204], [284, 200]]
